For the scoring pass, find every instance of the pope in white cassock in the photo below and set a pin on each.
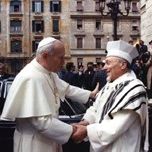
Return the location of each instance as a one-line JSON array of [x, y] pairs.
[[118, 119], [34, 100]]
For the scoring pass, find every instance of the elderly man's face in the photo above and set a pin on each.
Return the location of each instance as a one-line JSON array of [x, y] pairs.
[[114, 67], [55, 60]]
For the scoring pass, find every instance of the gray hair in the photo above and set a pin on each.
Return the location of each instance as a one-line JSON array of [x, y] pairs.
[[125, 61]]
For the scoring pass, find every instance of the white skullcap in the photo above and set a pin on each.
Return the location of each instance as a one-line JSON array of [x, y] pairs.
[[46, 41], [122, 49]]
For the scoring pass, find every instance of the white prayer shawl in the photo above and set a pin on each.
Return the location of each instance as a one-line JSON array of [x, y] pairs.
[[33, 102], [130, 96]]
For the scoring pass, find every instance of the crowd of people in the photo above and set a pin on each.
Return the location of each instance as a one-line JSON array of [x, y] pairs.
[[142, 65], [87, 77], [117, 120], [82, 77]]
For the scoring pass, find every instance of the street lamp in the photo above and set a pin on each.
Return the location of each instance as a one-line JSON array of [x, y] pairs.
[[114, 11]]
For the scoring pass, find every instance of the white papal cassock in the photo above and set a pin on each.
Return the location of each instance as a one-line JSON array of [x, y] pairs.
[[33, 102]]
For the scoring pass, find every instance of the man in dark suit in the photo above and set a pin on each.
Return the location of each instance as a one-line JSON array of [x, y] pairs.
[[5, 81]]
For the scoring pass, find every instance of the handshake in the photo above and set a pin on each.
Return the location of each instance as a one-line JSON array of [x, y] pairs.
[[79, 131]]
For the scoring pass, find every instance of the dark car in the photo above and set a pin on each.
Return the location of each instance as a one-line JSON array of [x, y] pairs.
[[70, 112], [6, 136]]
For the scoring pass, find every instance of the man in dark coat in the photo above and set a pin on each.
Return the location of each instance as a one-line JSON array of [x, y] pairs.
[[5, 81]]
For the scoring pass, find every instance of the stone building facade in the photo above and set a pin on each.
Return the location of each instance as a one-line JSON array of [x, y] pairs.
[[78, 23], [146, 21], [90, 31]]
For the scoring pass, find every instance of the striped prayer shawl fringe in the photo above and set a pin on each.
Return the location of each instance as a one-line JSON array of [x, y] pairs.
[[134, 98], [111, 98], [131, 99]]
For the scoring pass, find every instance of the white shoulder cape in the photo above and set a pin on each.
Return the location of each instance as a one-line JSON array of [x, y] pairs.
[[31, 94]]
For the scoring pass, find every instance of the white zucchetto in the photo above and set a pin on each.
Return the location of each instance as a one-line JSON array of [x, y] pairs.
[[122, 49], [46, 41]]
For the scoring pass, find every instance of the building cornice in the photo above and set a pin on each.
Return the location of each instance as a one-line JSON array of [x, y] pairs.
[[89, 16], [87, 52]]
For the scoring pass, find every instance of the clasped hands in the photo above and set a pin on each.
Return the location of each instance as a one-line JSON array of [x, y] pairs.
[[79, 131]]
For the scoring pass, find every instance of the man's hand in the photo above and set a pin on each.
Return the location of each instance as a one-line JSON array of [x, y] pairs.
[[82, 122], [80, 133], [95, 91]]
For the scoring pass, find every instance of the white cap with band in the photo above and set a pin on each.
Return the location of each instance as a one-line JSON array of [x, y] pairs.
[[122, 49]]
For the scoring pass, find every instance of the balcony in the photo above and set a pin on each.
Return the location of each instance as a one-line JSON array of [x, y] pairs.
[[16, 31], [38, 15], [135, 33], [98, 33], [38, 34], [15, 12], [80, 32]]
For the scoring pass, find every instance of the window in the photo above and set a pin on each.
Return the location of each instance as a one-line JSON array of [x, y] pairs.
[[134, 7], [98, 25], [55, 6], [15, 26], [97, 6], [135, 25], [98, 43], [38, 26], [79, 61], [37, 6], [79, 24], [79, 43], [35, 45], [135, 28], [55, 25], [79, 6], [16, 46], [15, 6]]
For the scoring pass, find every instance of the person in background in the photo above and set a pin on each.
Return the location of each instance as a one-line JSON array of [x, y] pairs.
[[137, 68], [149, 72], [88, 76], [150, 47], [61, 73], [34, 99], [143, 48], [131, 42], [144, 56], [5, 80], [118, 119], [69, 75], [99, 76], [79, 77], [149, 64], [3, 71]]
